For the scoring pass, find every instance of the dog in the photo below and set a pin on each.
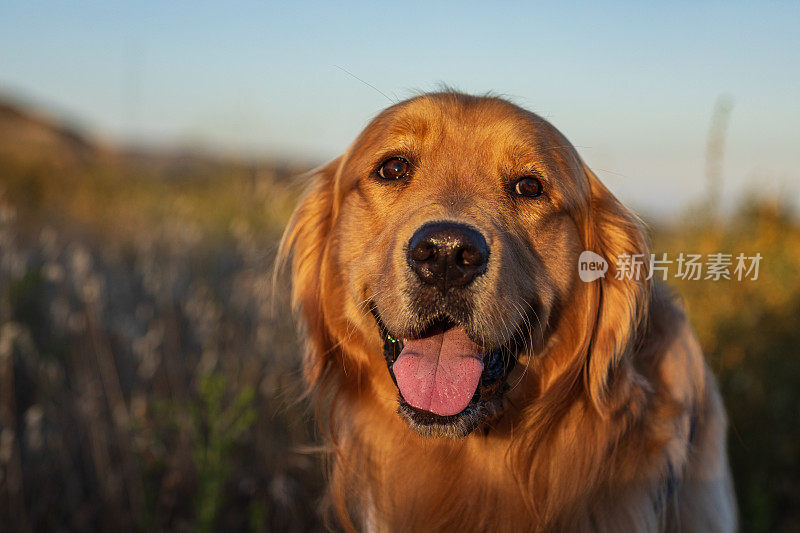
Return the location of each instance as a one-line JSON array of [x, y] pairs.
[[466, 377]]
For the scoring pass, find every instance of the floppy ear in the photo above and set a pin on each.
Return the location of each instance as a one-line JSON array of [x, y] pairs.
[[621, 297], [304, 243]]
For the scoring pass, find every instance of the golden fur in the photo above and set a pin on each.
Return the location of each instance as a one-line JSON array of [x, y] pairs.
[[613, 421]]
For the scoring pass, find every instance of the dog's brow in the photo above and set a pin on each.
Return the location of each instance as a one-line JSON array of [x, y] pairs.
[[526, 154], [397, 145], [411, 125]]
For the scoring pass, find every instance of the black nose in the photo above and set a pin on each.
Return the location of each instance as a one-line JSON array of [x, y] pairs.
[[447, 254]]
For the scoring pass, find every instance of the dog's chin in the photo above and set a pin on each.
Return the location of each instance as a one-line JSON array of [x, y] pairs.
[[486, 404], [475, 415]]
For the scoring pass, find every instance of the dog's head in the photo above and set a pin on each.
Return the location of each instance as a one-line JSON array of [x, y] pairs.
[[441, 250]]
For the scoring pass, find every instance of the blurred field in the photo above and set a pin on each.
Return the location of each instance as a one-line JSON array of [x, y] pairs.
[[149, 376]]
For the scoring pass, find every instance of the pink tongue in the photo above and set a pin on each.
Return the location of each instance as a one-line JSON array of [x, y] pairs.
[[439, 373]]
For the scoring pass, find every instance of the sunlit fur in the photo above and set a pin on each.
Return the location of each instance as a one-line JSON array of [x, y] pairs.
[[612, 422]]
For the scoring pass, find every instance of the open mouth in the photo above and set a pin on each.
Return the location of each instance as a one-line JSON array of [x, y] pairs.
[[448, 384]]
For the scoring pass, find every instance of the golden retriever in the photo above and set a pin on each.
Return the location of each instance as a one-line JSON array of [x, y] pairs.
[[467, 378]]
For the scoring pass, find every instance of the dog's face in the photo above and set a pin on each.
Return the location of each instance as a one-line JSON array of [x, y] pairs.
[[450, 232]]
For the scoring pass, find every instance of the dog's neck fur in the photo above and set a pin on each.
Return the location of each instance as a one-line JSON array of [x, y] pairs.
[[387, 477]]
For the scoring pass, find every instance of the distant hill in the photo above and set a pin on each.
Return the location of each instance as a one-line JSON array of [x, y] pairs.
[[27, 138], [32, 141]]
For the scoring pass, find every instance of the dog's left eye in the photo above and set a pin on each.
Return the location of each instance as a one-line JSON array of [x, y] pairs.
[[530, 187], [394, 168]]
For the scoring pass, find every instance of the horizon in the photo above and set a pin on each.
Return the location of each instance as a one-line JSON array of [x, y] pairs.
[[633, 87]]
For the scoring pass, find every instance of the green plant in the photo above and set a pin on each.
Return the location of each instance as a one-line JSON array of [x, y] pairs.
[[218, 425]]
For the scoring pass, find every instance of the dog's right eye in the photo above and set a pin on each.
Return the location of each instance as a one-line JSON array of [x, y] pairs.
[[530, 187], [394, 168]]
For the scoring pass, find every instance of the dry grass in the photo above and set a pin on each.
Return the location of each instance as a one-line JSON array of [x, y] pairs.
[[146, 381]]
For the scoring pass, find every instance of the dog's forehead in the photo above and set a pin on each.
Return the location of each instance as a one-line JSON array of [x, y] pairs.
[[488, 131], [466, 120]]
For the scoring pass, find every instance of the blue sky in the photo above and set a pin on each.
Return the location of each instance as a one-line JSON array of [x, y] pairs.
[[631, 84]]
